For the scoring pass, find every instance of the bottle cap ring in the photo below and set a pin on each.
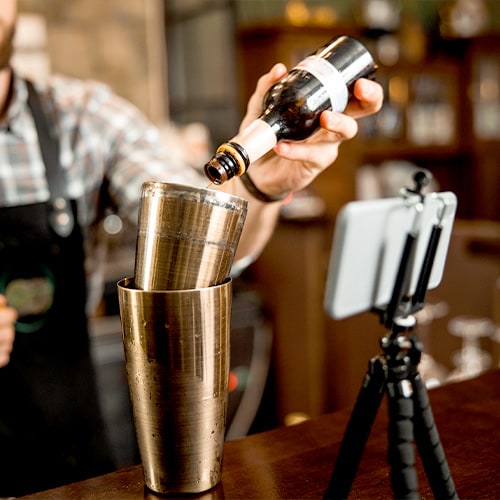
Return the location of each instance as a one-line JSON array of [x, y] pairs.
[[235, 153]]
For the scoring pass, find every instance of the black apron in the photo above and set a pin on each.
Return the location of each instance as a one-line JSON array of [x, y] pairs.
[[51, 429]]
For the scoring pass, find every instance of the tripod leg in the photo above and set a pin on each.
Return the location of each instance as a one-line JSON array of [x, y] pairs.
[[429, 445], [401, 453], [357, 431]]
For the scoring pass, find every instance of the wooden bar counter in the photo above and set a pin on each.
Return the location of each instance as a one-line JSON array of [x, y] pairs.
[[296, 462]]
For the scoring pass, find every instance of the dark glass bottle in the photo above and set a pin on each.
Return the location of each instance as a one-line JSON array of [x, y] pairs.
[[292, 106]]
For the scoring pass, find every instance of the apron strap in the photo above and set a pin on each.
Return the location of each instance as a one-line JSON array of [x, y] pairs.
[[61, 217]]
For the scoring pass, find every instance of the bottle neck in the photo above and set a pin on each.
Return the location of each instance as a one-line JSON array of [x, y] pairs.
[[257, 139], [229, 160], [232, 158]]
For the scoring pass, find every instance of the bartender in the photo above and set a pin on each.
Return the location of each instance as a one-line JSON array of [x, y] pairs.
[[62, 143]]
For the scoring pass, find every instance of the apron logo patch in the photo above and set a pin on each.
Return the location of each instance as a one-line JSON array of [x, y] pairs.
[[31, 297]]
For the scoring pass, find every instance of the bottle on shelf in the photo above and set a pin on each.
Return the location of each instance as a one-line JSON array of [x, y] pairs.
[[292, 107]]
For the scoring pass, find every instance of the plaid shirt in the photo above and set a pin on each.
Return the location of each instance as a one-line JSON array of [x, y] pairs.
[[101, 136]]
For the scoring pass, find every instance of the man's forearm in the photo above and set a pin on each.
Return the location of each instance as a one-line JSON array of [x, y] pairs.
[[260, 221]]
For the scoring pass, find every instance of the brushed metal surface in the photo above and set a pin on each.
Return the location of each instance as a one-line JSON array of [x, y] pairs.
[[187, 236], [177, 360]]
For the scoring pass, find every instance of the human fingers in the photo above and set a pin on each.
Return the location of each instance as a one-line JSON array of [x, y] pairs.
[[8, 317], [321, 149], [368, 97], [313, 156], [6, 344], [338, 125], [254, 105], [335, 127]]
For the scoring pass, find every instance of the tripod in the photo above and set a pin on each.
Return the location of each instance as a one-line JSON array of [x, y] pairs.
[[395, 372], [410, 417]]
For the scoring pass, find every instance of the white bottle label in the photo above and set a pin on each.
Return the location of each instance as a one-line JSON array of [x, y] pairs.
[[257, 139], [330, 78]]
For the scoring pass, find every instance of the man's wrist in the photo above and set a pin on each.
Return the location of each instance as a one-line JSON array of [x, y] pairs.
[[257, 193]]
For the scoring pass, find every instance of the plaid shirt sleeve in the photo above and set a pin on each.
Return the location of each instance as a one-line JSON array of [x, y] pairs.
[[104, 140], [105, 137]]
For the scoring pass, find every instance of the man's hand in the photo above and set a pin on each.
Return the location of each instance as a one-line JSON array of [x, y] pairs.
[[8, 317], [294, 165]]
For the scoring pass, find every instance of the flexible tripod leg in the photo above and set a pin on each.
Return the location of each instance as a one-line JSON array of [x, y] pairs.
[[429, 445], [357, 431], [401, 454]]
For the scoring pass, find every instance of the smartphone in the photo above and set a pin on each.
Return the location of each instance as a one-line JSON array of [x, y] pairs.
[[368, 244]]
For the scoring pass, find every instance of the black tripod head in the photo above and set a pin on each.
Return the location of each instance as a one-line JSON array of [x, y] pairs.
[[422, 178]]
